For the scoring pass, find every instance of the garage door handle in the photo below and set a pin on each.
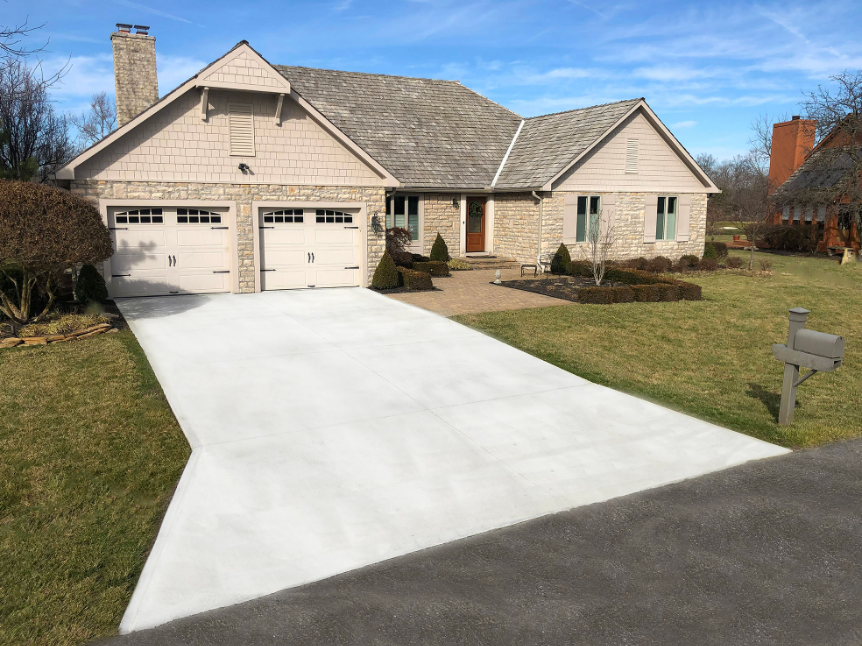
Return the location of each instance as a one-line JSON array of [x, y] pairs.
[[312, 257], [225, 271], [119, 275], [357, 267], [309, 255], [219, 227], [175, 261], [170, 262], [351, 227]]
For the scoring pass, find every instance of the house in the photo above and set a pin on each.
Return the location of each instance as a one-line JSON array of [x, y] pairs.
[[800, 177], [252, 176]]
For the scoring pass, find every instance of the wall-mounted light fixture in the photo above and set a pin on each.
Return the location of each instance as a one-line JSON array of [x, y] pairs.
[[375, 223], [455, 202], [244, 168]]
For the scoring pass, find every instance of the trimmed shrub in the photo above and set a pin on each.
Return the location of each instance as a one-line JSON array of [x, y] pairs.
[[416, 281], [90, 285], [402, 258], [659, 265], [434, 267], [734, 262], [667, 293], [691, 260], [709, 264], [689, 291], [720, 249], [622, 294], [439, 251], [561, 263], [709, 251], [645, 293], [386, 274], [632, 277], [595, 296], [581, 268]]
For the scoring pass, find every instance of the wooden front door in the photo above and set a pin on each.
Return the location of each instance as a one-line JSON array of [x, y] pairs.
[[475, 224]]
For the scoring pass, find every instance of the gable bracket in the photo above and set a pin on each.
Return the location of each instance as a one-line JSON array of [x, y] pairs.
[[278, 109], [205, 103]]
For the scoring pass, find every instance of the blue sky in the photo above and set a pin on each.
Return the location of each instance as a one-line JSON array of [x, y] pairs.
[[707, 68]]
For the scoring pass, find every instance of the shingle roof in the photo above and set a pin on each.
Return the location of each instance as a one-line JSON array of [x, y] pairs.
[[820, 172], [428, 133], [547, 144]]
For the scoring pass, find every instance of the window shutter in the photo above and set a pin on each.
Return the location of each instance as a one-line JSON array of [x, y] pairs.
[[609, 210], [632, 156], [650, 213], [570, 218], [683, 218], [241, 130]]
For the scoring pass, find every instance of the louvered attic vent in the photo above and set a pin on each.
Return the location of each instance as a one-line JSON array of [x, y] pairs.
[[241, 130], [632, 156]]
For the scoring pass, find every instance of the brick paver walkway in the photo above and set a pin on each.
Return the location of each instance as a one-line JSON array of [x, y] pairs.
[[469, 292]]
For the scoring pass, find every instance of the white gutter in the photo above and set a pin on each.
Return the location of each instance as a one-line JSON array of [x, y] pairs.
[[506, 156]]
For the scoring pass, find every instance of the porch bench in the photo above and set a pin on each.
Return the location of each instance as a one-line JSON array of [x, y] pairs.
[[534, 266]]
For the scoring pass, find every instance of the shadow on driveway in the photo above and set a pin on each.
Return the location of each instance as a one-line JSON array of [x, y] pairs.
[[769, 552]]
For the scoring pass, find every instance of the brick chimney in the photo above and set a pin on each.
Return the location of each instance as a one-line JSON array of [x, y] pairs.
[[134, 71], [792, 141]]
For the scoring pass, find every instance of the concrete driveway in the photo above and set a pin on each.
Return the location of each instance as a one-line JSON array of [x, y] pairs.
[[332, 429]]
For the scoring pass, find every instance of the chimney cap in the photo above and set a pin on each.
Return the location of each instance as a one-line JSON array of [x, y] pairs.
[[142, 29], [123, 26], [795, 117]]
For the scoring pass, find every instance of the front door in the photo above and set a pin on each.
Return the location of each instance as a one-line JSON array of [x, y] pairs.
[[475, 224]]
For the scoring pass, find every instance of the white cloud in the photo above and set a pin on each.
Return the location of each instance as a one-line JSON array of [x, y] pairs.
[[684, 124], [176, 70]]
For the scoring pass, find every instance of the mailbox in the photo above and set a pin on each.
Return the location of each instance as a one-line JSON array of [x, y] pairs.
[[815, 350], [820, 344]]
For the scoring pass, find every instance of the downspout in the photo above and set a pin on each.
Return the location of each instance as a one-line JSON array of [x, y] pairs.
[[541, 217]]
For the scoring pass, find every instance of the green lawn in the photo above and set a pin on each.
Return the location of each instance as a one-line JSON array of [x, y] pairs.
[[712, 358], [90, 453]]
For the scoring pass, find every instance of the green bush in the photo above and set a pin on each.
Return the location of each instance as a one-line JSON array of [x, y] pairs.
[[692, 261], [561, 263], [416, 281], [440, 252], [793, 237], [668, 293], [645, 293], [90, 285], [402, 258], [659, 265], [386, 274], [581, 268], [734, 262], [434, 267], [720, 249], [595, 296], [459, 265], [709, 264], [709, 251]]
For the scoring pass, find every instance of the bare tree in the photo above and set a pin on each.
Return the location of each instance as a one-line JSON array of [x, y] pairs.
[[600, 239], [749, 197], [34, 139], [97, 123], [11, 37]]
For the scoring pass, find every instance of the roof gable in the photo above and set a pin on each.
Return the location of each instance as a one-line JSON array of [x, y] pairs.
[[243, 69]]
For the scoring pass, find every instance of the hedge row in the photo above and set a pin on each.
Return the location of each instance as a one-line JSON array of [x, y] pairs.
[[434, 267], [643, 287], [415, 280]]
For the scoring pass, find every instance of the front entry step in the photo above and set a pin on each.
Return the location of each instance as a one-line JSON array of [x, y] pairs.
[[491, 262]]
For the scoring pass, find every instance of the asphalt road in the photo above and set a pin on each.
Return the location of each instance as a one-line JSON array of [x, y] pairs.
[[769, 552]]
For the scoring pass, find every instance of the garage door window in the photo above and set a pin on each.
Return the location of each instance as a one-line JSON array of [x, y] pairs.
[[283, 216], [140, 216], [333, 217], [197, 216]]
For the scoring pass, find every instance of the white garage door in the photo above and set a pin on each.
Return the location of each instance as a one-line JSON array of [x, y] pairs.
[[309, 248], [169, 251]]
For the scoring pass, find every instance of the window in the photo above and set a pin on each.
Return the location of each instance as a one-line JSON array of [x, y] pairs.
[[785, 214], [140, 216], [241, 120], [197, 216], [665, 221], [845, 219], [402, 211], [809, 214], [284, 216], [587, 206], [333, 217]]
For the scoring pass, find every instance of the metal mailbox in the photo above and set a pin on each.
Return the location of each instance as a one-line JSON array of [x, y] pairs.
[[815, 350]]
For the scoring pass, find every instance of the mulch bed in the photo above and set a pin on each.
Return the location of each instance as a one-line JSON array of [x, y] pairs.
[[564, 287]]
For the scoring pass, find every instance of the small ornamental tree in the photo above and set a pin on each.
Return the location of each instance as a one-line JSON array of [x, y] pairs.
[[386, 274], [398, 239], [561, 263], [709, 251], [90, 285], [43, 232], [440, 252]]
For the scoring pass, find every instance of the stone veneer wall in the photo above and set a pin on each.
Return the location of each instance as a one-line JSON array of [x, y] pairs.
[[516, 226], [243, 195], [443, 218], [135, 80]]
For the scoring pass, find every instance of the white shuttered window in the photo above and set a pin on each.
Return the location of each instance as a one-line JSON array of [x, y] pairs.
[[241, 130], [632, 156]]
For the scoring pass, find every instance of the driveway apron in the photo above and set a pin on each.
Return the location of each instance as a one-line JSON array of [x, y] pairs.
[[332, 429]]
